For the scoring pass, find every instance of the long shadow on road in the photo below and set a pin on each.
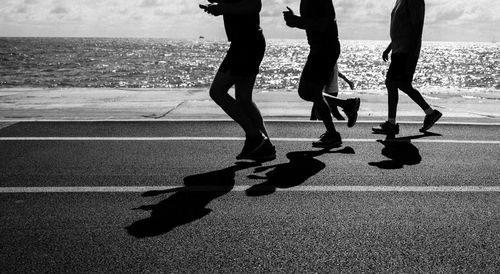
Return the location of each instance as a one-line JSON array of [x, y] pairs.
[[301, 166], [400, 151], [188, 203]]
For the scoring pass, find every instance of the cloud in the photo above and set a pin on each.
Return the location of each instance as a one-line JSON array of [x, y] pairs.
[[357, 19], [59, 10], [150, 3]]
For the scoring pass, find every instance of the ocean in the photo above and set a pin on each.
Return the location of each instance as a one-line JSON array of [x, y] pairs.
[[444, 67]]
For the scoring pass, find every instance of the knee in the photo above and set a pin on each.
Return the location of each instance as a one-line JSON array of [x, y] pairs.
[[306, 96], [217, 93], [214, 94], [408, 88]]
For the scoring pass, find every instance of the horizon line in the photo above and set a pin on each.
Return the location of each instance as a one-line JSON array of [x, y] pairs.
[[201, 38]]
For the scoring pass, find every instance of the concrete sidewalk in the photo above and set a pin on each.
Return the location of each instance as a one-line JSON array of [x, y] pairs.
[[118, 104]]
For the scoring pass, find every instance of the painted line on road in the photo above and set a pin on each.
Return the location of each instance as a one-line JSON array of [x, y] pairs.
[[152, 139], [242, 188], [298, 120]]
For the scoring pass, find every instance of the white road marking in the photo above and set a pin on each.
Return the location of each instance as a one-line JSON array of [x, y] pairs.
[[298, 120], [242, 188], [184, 138]]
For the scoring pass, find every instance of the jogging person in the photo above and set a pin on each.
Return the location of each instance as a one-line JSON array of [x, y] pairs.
[[240, 68], [317, 18], [407, 23], [332, 89]]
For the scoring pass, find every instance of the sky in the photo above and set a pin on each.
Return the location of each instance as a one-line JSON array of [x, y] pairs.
[[446, 20]]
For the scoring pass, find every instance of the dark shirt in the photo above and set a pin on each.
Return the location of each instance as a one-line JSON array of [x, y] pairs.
[[241, 27], [316, 9]]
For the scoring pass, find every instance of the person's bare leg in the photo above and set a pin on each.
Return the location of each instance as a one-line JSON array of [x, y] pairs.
[[414, 95], [219, 93], [392, 100], [336, 101], [243, 92], [314, 93]]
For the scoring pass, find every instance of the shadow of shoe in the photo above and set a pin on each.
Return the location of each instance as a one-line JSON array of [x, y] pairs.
[[302, 165], [400, 151]]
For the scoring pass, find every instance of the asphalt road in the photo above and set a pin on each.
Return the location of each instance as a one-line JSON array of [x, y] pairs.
[[350, 209]]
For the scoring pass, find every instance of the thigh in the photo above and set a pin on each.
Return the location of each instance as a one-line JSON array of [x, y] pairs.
[[319, 68], [310, 90], [221, 84], [402, 68]]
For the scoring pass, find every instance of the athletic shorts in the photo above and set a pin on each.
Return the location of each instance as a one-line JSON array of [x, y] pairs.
[[244, 57], [320, 64], [402, 67]]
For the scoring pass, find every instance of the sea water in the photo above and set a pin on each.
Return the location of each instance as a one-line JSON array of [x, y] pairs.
[[444, 67]]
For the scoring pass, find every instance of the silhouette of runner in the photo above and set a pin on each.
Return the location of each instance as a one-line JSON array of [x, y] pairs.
[[317, 18], [240, 68], [332, 89], [407, 23]]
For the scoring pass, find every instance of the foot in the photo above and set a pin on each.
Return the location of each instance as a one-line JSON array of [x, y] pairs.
[[386, 128], [328, 140], [267, 152], [351, 111], [430, 120], [251, 145]]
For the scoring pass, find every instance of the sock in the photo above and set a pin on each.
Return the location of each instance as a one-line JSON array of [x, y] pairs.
[[428, 111], [392, 120]]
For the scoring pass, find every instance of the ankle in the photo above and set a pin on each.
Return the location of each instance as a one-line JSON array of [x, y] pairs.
[[428, 111]]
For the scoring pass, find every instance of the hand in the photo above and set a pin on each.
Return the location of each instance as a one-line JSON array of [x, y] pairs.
[[214, 9], [290, 18], [385, 55], [289, 11], [351, 85]]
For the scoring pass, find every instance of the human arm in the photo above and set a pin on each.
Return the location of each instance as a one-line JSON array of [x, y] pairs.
[[349, 82], [319, 15], [218, 7], [385, 55]]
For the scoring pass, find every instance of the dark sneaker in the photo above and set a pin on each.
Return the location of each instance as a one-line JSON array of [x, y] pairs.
[[266, 152], [328, 140], [251, 145], [386, 128], [430, 120], [351, 111]]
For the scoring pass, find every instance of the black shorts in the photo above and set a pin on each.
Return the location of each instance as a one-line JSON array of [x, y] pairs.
[[402, 67], [320, 64], [244, 57]]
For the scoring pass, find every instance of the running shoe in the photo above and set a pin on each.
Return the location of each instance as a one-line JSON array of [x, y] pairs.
[[267, 152], [251, 145], [386, 128], [351, 111], [430, 120], [328, 140]]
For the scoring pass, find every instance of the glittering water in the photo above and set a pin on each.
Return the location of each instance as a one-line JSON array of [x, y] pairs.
[[153, 63]]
